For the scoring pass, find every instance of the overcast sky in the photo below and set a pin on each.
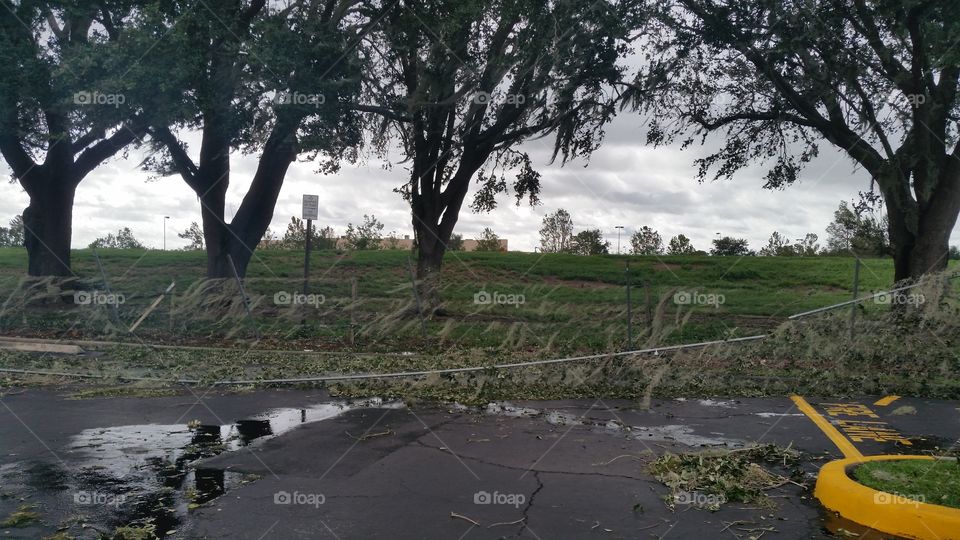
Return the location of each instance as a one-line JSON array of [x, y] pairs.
[[626, 183]]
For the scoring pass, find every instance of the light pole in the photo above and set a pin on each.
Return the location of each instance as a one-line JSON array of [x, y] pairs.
[[618, 228], [165, 218]]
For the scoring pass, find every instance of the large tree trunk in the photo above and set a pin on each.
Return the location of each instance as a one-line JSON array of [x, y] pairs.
[[237, 240], [430, 251], [216, 233], [920, 233], [433, 224], [48, 227]]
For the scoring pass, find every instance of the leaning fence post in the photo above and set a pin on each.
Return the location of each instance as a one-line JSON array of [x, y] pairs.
[[153, 306], [856, 293]]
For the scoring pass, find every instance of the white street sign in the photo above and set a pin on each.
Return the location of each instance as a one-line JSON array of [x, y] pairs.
[[311, 207]]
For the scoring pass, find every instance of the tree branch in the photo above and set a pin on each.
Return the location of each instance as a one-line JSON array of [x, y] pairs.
[[896, 71], [12, 149], [98, 153], [382, 111], [749, 116], [181, 160]]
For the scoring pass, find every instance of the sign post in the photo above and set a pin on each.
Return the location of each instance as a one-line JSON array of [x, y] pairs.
[[311, 206]]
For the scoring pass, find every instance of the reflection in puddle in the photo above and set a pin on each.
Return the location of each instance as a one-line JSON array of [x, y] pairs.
[[146, 469]]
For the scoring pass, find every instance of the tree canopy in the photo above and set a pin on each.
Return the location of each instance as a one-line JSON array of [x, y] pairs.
[[461, 84], [878, 80], [275, 81], [646, 241], [70, 98], [589, 242], [556, 234]]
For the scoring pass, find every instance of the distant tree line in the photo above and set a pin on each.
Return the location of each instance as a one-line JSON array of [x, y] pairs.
[[367, 235], [12, 236], [854, 231]]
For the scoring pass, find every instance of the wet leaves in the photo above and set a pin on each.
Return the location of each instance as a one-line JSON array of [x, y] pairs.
[[24, 516], [711, 478]]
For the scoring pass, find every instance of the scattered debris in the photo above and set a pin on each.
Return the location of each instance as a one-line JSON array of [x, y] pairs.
[[366, 436], [465, 518], [22, 517], [711, 478]]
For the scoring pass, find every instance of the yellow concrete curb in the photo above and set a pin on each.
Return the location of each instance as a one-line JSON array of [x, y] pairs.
[[885, 512]]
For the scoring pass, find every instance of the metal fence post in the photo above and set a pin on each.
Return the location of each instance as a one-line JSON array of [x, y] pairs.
[[856, 293], [115, 314], [353, 304], [629, 307], [306, 259], [646, 296]]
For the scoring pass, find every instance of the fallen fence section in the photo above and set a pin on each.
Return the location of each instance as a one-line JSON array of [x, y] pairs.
[[656, 350], [94, 376], [863, 299], [400, 374]]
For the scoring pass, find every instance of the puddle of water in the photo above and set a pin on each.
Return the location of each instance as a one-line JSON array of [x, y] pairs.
[[552, 417], [560, 418], [844, 528], [776, 414], [681, 434], [717, 403], [671, 433], [509, 410], [146, 471]]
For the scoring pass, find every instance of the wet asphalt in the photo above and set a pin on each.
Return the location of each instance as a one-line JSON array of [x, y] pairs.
[[298, 464]]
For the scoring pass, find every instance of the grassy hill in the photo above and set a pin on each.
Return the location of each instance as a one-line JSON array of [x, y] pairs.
[[576, 301], [570, 305]]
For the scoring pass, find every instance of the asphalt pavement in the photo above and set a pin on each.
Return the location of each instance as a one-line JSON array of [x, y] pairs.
[[299, 464]]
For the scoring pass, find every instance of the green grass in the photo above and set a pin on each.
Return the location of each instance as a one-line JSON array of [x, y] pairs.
[[573, 305], [932, 482], [570, 301]]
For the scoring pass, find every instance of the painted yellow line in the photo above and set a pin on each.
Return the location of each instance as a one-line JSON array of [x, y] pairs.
[[844, 444], [884, 401]]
